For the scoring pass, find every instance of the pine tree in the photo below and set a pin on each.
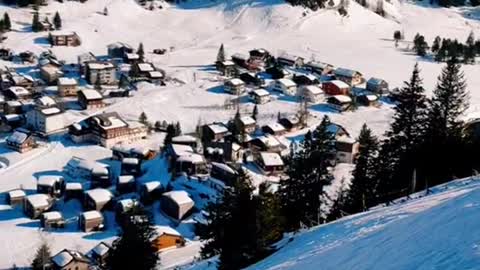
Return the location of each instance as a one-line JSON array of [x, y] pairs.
[[442, 153], [36, 26], [42, 257], [134, 250], [380, 10], [6, 22], [362, 189], [170, 134], [143, 118], [398, 155], [105, 11], [57, 21], [443, 51], [140, 51], [221, 54], [470, 50], [255, 112], [178, 129], [420, 45], [436, 44]]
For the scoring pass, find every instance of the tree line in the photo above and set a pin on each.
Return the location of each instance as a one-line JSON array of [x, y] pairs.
[[443, 49], [425, 145]]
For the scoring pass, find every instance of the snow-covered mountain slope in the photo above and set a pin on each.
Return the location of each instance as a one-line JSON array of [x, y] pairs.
[[438, 231]]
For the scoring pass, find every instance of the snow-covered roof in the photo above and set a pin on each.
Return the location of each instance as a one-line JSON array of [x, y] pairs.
[[371, 97], [218, 128], [91, 94], [49, 180], [271, 159], [289, 57], [73, 186], [130, 161], [19, 91], [247, 120], [101, 249], [38, 200], [100, 65], [14, 103], [276, 127], [191, 158], [180, 149], [240, 56], [118, 44], [152, 185], [287, 82], [89, 215], [339, 84], [319, 65], [345, 139], [315, 90], [53, 215], [17, 137], [46, 101], [166, 230], [99, 195], [62, 259], [224, 167], [269, 140], [132, 56], [235, 82], [67, 81], [184, 139], [178, 196], [145, 67], [109, 121], [13, 117], [93, 166], [345, 72], [51, 111], [62, 33], [375, 81], [343, 98], [127, 204], [261, 92], [228, 63], [18, 193], [125, 179], [155, 74]]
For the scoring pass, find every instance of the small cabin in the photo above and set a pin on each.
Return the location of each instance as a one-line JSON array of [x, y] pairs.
[[21, 141], [319, 68], [277, 72], [367, 99], [240, 59], [215, 132], [259, 54], [65, 39], [131, 166], [50, 184], [73, 191], [311, 93], [100, 253], [224, 173], [69, 260], [91, 221], [97, 199], [336, 87], [250, 78], [67, 87], [122, 207], [274, 129], [351, 77], [191, 164], [186, 140], [167, 238], [177, 204], [15, 197], [90, 99], [340, 102], [306, 79], [247, 124], [285, 86], [290, 60], [260, 96], [126, 184], [52, 219], [271, 163], [150, 191], [291, 123], [234, 86], [226, 68], [34, 205], [267, 143], [347, 149], [377, 86]]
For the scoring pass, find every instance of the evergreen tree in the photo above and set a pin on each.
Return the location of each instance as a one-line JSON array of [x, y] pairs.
[[362, 189], [157, 125], [442, 153], [255, 112], [6, 22], [140, 51], [134, 249], [105, 11], [221, 54], [443, 51], [379, 9], [398, 154], [143, 118], [170, 134], [470, 50], [36, 25], [178, 129], [57, 21], [41, 260], [436, 44], [420, 45]]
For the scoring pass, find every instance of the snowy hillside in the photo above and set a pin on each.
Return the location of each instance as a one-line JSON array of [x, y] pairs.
[[440, 231]]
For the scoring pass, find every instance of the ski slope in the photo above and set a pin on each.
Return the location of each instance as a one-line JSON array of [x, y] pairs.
[[439, 231]]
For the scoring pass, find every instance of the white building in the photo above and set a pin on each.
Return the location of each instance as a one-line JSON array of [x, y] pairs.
[[67, 87], [46, 121], [285, 86], [104, 70], [311, 93]]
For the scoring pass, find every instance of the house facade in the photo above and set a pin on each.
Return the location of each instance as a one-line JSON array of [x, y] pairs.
[[103, 71], [67, 87], [65, 39]]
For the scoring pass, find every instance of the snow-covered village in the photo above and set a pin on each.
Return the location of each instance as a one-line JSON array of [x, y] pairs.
[[239, 134]]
